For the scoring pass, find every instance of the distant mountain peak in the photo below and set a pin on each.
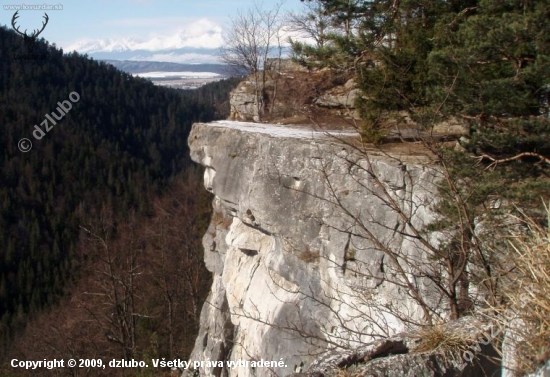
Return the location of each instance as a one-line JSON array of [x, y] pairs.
[[201, 34]]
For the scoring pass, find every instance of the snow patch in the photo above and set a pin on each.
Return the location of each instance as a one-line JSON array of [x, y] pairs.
[[198, 75], [278, 130]]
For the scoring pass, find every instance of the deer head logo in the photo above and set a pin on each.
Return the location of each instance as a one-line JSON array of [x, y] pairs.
[[29, 39]]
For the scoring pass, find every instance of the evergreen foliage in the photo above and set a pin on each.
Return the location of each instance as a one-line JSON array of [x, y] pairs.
[[493, 68], [484, 61]]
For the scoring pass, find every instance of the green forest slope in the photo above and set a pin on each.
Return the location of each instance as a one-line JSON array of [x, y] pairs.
[[117, 148]]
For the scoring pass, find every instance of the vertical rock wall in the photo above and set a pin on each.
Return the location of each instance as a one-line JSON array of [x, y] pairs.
[[291, 275]]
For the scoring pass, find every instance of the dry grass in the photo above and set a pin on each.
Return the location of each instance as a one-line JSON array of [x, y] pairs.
[[350, 255], [347, 373], [439, 338], [527, 295], [307, 255]]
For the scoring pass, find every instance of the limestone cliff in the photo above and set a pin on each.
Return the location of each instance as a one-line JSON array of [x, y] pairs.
[[292, 277]]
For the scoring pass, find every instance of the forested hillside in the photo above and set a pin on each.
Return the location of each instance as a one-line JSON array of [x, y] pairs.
[[120, 145]]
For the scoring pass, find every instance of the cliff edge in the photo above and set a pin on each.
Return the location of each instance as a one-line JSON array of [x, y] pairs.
[[292, 276]]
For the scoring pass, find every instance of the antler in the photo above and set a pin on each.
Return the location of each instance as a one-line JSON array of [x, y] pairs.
[[36, 32], [15, 17]]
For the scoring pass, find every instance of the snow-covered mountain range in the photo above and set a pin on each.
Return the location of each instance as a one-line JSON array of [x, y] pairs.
[[198, 42]]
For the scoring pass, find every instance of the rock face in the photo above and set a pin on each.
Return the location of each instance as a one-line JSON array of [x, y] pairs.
[[343, 96], [242, 102], [292, 275]]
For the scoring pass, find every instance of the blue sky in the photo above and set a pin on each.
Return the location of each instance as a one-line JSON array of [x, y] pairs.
[[152, 21]]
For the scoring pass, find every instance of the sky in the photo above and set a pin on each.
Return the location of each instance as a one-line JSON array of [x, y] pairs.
[[88, 26]]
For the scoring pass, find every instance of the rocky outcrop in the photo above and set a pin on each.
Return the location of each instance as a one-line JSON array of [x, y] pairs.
[[242, 102], [291, 276], [343, 96], [289, 90], [328, 99], [398, 356]]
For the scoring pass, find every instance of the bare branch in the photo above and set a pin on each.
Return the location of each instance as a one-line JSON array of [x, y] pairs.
[[495, 161]]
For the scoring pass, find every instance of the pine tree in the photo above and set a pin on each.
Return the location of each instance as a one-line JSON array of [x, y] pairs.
[[494, 69]]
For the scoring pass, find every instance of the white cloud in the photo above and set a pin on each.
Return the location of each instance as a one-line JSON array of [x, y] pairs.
[[201, 33]]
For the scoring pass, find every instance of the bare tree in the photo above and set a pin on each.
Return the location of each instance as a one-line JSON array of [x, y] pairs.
[[312, 24], [177, 266], [253, 43], [116, 268]]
